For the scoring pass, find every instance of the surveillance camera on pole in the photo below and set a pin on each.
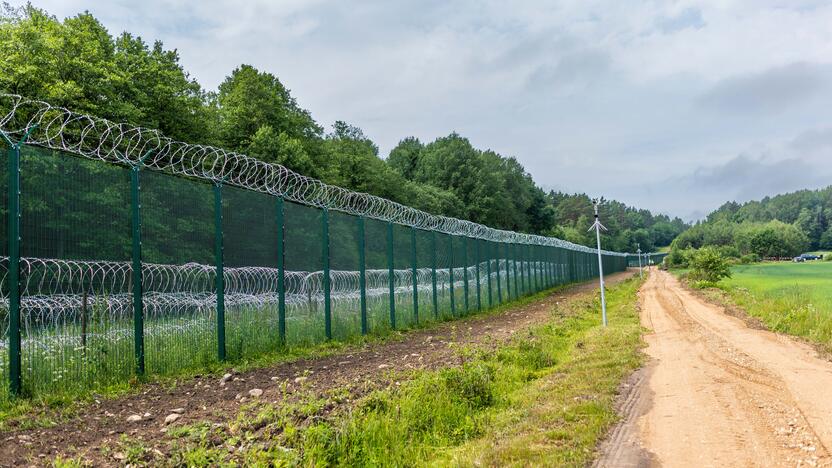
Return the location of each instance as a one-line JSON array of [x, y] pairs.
[[598, 226], [638, 251]]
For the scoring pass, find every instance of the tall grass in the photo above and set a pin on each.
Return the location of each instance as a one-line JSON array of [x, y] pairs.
[[793, 298]]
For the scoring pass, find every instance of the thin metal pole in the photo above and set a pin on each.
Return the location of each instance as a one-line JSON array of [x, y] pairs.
[[477, 271], [326, 279], [138, 303], [218, 251], [489, 249], [499, 286], [514, 265], [14, 271], [640, 273], [281, 270], [597, 226], [433, 273], [451, 275], [465, 270], [413, 260], [362, 273], [390, 278]]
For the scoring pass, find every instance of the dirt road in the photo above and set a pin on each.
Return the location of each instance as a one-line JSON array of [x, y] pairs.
[[717, 393]]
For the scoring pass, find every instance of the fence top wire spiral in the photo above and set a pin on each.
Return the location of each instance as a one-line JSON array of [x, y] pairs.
[[61, 129]]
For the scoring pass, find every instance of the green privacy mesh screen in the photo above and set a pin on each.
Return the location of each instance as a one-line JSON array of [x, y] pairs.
[[76, 314], [178, 273], [250, 250], [305, 320]]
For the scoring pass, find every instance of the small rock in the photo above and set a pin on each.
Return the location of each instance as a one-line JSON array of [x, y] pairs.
[[275, 379], [24, 438], [243, 399], [119, 456], [172, 418], [134, 418], [225, 378], [255, 392], [383, 366], [146, 415], [300, 380], [178, 410]]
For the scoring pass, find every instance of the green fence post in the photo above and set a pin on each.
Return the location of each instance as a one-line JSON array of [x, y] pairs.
[[15, 357], [477, 271], [514, 267], [362, 273], [413, 260], [218, 252], [465, 270], [489, 249], [391, 279], [138, 302], [433, 274], [326, 279], [451, 275], [281, 271]]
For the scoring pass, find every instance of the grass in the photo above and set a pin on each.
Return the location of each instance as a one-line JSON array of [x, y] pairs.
[[793, 298], [543, 399]]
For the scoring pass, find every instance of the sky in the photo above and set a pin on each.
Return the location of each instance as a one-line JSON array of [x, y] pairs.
[[674, 106]]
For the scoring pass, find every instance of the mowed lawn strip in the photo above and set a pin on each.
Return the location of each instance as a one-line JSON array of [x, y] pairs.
[[546, 397], [792, 298]]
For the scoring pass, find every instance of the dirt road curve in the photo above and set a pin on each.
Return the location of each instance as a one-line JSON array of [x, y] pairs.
[[717, 393]]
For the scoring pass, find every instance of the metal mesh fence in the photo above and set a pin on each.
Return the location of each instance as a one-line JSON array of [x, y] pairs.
[[129, 266]]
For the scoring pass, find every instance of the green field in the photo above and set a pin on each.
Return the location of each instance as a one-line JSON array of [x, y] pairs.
[[794, 298]]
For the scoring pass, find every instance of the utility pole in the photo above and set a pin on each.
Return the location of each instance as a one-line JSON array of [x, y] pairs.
[[638, 251], [598, 226]]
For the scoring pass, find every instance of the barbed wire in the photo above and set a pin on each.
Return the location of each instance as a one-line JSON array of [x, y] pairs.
[[92, 137]]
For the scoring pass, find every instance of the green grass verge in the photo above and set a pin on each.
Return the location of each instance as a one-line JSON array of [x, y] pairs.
[[543, 399], [793, 298]]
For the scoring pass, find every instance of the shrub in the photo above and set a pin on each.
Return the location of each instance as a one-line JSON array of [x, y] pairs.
[[708, 265], [749, 258]]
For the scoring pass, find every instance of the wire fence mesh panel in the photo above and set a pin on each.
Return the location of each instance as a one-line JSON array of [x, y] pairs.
[[250, 257], [402, 276], [378, 297], [444, 263], [178, 273], [305, 320], [76, 314], [460, 275], [424, 275], [344, 264]]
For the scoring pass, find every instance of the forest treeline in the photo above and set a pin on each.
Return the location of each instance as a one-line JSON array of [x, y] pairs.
[[778, 226], [78, 64]]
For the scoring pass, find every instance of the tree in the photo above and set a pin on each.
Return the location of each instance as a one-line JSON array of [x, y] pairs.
[[249, 99], [404, 158], [708, 265]]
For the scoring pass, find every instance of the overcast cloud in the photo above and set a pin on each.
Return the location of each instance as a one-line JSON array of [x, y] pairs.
[[673, 106]]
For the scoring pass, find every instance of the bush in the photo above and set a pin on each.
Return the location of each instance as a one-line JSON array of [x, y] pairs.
[[678, 257], [749, 258], [708, 265]]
